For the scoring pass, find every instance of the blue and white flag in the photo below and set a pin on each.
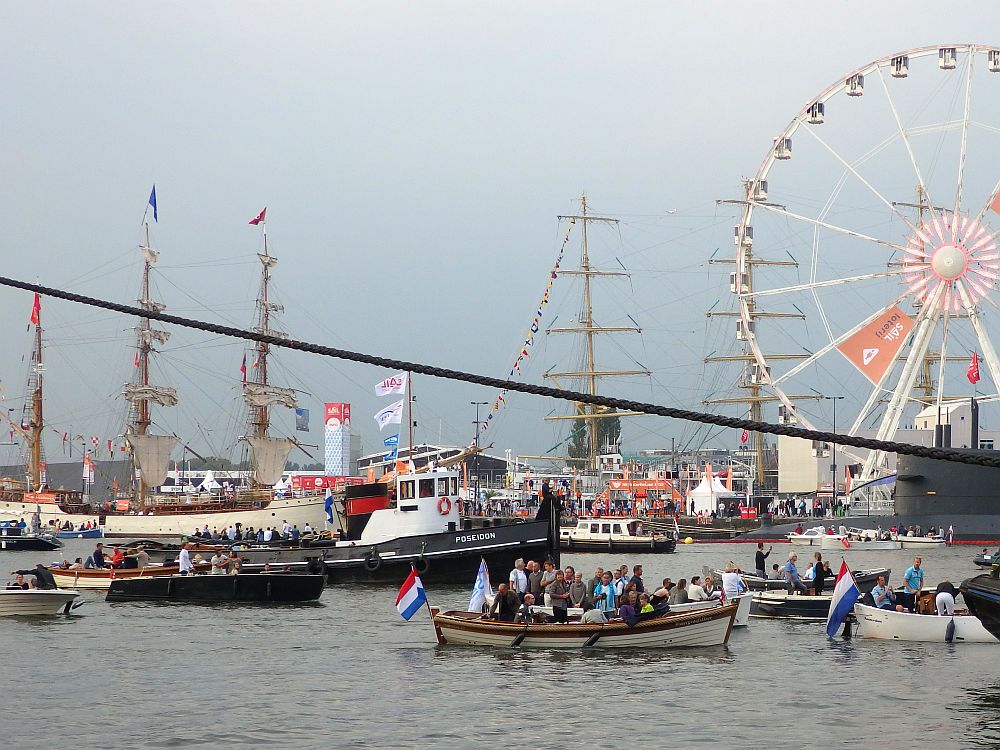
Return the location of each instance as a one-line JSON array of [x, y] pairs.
[[392, 414], [301, 419], [152, 202], [845, 594], [391, 440], [328, 505], [481, 588]]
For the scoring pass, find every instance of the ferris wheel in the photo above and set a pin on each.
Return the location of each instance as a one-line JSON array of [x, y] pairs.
[[866, 254]]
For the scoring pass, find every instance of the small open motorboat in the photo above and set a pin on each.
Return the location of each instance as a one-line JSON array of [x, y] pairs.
[[253, 587], [100, 578], [983, 561], [35, 601], [982, 594], [890, 625], [703, 627], [15, 539], [809, 538], [617, 534], [94, 533], [920, 542], [866, 580], [782, 605], [858, 541]]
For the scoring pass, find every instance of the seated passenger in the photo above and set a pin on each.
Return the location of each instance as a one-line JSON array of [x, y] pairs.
[[679, 593], [525, 613], [644, 605], [695, 592], [592, 616], [885, 597], [18, 583]]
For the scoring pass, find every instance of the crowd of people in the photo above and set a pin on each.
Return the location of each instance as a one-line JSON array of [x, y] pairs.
[[263, 535]]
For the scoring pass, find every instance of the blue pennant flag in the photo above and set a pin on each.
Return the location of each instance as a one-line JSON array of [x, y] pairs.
[[391, 440], [301, 419], [152, 202]]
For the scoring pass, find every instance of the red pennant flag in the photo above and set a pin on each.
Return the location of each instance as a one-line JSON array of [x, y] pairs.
[[973, 372], [745, 436], [243, 368], [847, 544], [36, 309], [259, 219], [135, 362]]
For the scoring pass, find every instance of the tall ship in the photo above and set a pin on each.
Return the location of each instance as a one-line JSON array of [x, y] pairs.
[[140, 511]]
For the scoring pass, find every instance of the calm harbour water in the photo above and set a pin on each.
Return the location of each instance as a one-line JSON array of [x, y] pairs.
[[350, 673]]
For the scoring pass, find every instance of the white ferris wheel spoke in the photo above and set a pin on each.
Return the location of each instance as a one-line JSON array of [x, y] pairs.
[[989, 352], [944, 349], [903, 135], [836, 342], [827, 225], [850, 167], [923, 330], [826, 282], [965, 140]]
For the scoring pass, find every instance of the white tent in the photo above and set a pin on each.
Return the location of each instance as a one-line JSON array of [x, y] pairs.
[[706, 496], [208, 483]]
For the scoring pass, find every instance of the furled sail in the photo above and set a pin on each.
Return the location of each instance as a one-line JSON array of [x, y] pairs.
[[269, 457], [259, 394], [149, 335], [161, 394], [152, 456]]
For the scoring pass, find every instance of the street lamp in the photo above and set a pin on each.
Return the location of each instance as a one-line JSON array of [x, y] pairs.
[[833, 463], [475, 460]]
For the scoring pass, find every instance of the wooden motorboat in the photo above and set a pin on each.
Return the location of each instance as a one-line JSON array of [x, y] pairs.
[[253, 587], [706, 627], [742, 613], [890, 625], [982, 595], [35, 601], [100, 578], [782, 605], [614, 533], [920, 542]]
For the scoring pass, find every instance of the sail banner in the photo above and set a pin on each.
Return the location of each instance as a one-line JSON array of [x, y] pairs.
[[873, 348], [269, 457], [258, 394], [395, 384], [152, 456], [302, 420], [392, 414], [161, 394]]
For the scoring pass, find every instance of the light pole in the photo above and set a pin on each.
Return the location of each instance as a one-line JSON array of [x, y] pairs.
[[475, 460], [833, 463]]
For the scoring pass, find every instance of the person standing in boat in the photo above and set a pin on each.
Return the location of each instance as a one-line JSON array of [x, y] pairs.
[[761, 559], [819, 573], [558, 594], [604, 594], [184, 560], [913, 581], [220, 562], [519, 580], [791, 575]]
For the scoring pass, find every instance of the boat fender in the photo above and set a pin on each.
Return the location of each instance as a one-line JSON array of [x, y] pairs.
[[949, 631], [444, 505], [520, 637], [592, 641], [421, 564], [373, 561]]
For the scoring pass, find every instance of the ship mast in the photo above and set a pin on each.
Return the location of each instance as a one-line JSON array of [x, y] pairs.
[[260, 417], [36, 423], [589, 414]]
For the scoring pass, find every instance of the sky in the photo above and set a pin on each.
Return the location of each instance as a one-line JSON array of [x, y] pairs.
[[413, 159]]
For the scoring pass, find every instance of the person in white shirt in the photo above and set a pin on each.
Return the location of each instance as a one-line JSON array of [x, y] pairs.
[[219, 562], [307, 529], [519, 579], [268, 534], [732, 585], [231, 532], [184, 560], [286, 529], [695, 592]]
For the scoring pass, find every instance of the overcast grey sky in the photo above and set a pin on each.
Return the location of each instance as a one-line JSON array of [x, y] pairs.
[[413, 158]]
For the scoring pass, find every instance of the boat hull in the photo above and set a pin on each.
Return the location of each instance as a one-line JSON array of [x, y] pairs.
[[982, 595], [262, 588], [865, 579], [100, 579], [711, 627], [665, 545], [446, 557], [34, 601], [86, 534], [920, 542], [777, 605], [834, 543], [890, 625], [28, 543]]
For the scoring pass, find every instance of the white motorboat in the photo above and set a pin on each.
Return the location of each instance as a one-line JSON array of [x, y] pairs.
[[857, 543], [35, 601], [809, 538], [609, 533], [920, 542], [889, 625]]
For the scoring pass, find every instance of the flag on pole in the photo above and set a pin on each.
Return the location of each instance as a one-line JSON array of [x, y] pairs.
[[481, 589], [392, 414], [845, 594], [243, 368], [301, 419], [328, 506], [36, 309], [259, 218], [972, 373], [411, 595], [845, 542], [395, 384], [152, 202], [745, 436]]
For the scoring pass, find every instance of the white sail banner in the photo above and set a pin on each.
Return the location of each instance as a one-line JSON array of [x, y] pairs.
[[152, 456], [148, 336], [395, 384], [258, 394], [161, 394], [392, 414], [269, 457]]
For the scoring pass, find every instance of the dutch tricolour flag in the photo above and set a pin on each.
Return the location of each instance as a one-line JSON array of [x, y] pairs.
[[411, 595], [845, 594]]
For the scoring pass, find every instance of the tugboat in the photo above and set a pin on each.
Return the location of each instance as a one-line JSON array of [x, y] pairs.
[[614, 534], [982, 594], [416, 521]]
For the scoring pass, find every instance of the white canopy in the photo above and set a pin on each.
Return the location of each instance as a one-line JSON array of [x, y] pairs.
[[706, 496], [208, 483]]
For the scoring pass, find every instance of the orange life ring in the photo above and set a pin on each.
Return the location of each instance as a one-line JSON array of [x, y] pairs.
[[444, 506]]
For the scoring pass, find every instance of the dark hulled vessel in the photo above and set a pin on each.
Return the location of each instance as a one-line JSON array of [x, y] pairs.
[[255, 587]]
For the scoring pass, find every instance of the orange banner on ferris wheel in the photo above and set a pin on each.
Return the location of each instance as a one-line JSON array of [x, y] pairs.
[[873, 348]]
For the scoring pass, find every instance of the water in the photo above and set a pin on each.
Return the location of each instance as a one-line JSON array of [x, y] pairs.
[[350, 673]]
